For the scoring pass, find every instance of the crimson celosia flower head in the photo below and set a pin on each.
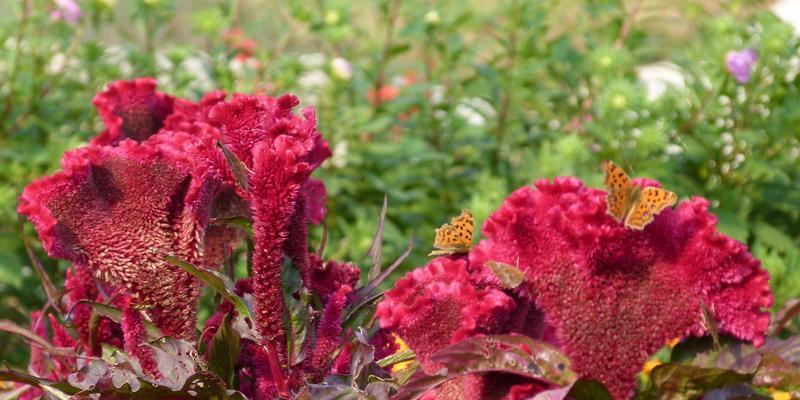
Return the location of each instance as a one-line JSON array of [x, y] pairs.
[[440, 304], [131, 109], [279, 150], [112, 210], [614, 295]]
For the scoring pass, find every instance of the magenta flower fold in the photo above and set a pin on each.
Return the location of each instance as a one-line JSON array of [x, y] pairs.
[[281, 150], [615, 296], [135, 339], [82, 285], [326, 278], [131, 110], [328, 335], [440, 304], [115, 211]]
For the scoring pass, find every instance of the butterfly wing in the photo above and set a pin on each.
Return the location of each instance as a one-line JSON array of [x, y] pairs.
[[619, 188], [455, 237], [651, 202]]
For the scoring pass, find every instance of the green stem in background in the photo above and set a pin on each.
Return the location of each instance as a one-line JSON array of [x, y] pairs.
[[627, 24], [506, 93], [687, 127], [380, 72], [23, 19]]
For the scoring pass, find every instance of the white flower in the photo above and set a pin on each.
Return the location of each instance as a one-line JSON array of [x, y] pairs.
[[475, 111], [312, 60], [432, 17], [198, 67], [117, 55], [341, 68], [657, 77], [437, 94], [56, 64], [339, 156], [314, 79], [674, 149]]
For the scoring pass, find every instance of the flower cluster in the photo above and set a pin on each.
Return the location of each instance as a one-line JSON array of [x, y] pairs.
[[608, 296], [154, 183], [166, 177]]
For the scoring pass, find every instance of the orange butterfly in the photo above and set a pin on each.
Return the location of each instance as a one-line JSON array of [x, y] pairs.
[[455, 237], [633, 204]]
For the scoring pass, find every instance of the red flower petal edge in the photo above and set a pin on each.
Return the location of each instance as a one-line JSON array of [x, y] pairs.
[[614, 295]]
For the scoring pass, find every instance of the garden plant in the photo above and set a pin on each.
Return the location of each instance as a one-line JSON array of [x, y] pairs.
[[399, 200]]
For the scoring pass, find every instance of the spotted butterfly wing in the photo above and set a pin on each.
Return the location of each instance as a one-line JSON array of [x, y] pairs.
[[455, 237], [651, 202], [619, 190]]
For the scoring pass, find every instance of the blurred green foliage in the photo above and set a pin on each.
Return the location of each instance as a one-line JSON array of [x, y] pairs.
[[441, 104]]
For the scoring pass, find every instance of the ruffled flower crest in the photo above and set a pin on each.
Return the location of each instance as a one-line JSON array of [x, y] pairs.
[[280, 150], [440, 304], [131, 196], [643, 287], [131, 110]]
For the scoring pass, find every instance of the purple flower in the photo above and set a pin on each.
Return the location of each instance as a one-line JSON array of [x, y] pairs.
[[67, 10], [740, 64]]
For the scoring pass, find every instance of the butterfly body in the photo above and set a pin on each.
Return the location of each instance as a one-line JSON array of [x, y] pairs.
[[455, 237], [631, 204]]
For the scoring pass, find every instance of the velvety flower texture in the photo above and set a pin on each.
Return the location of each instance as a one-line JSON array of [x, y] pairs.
[[122, 202], [82, 285], [43, 364], [156, 182], [112, 209], [440, 304], [280, 149], [615, 295], [131, 110], [449, 300]]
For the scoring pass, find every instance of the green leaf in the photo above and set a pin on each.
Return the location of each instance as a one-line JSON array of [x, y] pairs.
[[236, 165], [513, 354], [297, 320], [377, 242], [777, 373], [115, 314], [238, 222], [365, 295], [691, 381], [219, 282], [396, 358], [49, 289], [710, 324], [224, 352], [510, 276], [580, 390], [11, 327]]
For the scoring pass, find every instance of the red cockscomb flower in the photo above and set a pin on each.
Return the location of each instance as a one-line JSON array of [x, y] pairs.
[[131, 110], [113, 209], [615, 295], [279, 150], [440, 304], [82, 285]]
